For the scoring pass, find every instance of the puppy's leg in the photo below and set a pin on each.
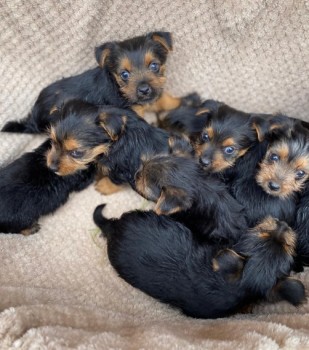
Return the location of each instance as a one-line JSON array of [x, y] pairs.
[[31, 230]]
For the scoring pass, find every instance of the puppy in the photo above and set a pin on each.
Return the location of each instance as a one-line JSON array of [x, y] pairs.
[[160, 257], [130, 74], [270, 176], [200, 201], [29, 189]]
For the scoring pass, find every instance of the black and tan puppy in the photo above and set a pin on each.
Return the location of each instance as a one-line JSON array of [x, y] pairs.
[[270, 176], [179, 187], [130, 74], [161, 257], [29, 189]]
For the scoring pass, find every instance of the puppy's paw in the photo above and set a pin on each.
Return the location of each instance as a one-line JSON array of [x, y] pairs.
[[106, 186]]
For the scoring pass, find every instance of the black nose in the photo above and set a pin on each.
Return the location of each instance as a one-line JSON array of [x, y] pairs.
[[54, 166], [205, 161], [273, 186], [144, 90]]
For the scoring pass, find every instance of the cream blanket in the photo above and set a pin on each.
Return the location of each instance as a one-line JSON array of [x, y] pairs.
[[57, 288]]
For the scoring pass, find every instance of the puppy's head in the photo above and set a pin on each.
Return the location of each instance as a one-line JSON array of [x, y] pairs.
[[226, 136], [137, 65], [84, 133], [285, 167]]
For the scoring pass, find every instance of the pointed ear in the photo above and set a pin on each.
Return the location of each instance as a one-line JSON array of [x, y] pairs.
[[180, 145], [229, 264], [209, 106], [103, 52], [261, 125], [164, 38], [172, 200], [113, 124]]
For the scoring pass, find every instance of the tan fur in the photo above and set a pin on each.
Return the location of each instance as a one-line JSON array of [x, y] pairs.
[[106, 186]]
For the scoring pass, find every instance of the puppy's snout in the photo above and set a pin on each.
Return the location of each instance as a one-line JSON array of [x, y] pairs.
[[273, 186], [205, 161], [144, 90], [54, 165]]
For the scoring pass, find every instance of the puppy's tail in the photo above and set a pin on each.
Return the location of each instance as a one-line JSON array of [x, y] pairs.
[[105, 225]]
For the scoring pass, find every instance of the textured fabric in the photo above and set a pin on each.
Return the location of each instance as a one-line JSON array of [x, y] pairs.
[[57, 288]]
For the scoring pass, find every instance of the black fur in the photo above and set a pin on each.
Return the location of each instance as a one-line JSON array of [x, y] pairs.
[[302, 227], [200, 201]]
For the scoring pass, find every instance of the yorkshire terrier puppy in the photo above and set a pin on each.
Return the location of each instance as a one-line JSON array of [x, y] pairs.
[[29, 189], [270, 176], [130, 74], [180, 188], [160, 257]]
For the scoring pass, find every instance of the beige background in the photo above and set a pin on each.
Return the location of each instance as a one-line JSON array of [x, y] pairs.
[[57, 289]]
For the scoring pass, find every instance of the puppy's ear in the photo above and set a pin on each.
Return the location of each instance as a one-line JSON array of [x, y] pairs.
[[172, 200], [260, 124], [180, 145], [103, 52], [164, 38], [113, 124], [229, 264], [209, 107]]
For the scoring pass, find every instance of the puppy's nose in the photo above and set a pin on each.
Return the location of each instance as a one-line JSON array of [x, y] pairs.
[[54, 166], [273, 186], [144, 90], [205, 161]]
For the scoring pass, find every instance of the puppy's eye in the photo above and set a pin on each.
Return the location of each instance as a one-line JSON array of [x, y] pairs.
[[300, 174], [229, 150], [154, 67], [274, 157], [205, 137], [76, 154], [125, 75]]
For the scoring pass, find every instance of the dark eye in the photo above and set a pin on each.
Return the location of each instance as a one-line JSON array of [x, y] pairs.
[[205, 137], [154, 66], [300, 174], [125, 75], [274, 157], [229, 150], [76, 154]]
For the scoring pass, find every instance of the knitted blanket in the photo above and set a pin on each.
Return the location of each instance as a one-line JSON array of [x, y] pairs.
[[57, 288]]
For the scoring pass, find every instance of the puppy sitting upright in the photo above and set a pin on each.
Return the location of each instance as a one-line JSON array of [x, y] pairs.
[[270, 176], [131, 73]]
